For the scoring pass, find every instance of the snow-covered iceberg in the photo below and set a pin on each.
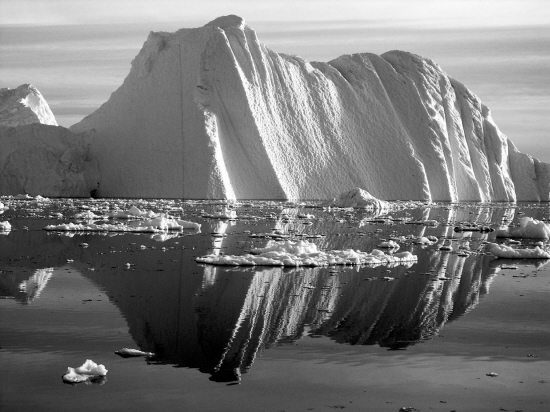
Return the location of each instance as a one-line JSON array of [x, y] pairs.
[[211, 112], [47, 160], [24, 105]]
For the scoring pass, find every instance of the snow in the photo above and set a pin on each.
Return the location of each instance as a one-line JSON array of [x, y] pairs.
[[24, 105], [304, 253], [38, 159], [211, 112], [89, 370], [507, 252], [528, 228]]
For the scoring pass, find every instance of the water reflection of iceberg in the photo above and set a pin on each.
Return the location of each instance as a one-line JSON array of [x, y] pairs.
[[220, 319], [32, 287]]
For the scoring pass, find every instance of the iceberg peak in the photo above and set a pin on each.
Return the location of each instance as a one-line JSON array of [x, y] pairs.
[[226, 22], [24, 105]]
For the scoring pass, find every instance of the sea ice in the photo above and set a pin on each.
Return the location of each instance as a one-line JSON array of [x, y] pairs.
[[507, 252], [528, 228], [304, 253], [128, 353], [87, 371]]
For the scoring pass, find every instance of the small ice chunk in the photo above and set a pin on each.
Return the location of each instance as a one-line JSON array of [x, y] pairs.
[[87, 371], [128, 353], [5, 226]]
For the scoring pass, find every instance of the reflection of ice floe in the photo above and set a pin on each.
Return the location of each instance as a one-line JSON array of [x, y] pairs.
[[88, 372], [33, 286], [528, 228], [5, 227], [507, 252], [304, 253], [224, 213]]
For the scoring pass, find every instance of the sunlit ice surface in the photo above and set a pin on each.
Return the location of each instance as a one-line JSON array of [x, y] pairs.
[[458, 329]]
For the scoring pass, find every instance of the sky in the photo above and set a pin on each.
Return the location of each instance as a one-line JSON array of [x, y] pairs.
[[77, 52]]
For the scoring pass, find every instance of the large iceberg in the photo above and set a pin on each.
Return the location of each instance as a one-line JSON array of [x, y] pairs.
[[211, 112]]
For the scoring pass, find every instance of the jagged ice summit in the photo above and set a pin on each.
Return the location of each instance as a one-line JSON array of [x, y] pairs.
[[212, 113]]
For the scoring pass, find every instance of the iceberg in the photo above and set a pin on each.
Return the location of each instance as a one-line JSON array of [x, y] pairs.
[[47, 160], [212, 113], [24, 105]]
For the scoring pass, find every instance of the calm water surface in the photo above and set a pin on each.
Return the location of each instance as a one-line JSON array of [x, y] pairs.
[[271, 339]]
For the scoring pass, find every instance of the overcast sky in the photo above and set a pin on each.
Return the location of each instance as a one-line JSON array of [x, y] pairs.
[[77, 52]]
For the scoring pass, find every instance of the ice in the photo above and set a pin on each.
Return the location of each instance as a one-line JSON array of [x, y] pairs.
[[359, 198], [528, 228], [24, 105], [304, 253], [5, 226], [128, 353], [507, 252], [89, 370], [212, 113], [38, 159]]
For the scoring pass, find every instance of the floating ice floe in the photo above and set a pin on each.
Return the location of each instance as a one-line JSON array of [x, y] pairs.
[[507, 252], [5, 226], [358, 198], [158, 224], [304, 253], [129, 353], [390, 244], [88, 371], [133, 213], [528, 228]]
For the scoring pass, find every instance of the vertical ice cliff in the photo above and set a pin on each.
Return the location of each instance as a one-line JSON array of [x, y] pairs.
[[213, 113], [24, 105]]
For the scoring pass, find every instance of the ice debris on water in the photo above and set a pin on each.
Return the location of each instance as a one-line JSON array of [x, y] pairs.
[[5, 226], [88, 371], [158, 224], [528, 228], [129, 353], [304, 253], [507, 252]]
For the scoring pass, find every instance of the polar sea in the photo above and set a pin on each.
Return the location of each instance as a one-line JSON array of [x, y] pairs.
[[458, 330]]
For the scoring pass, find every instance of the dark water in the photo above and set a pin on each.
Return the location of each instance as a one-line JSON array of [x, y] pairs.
[[270, 339]]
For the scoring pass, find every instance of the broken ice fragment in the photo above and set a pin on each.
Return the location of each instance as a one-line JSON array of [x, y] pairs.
[[88, 371], [128, 353]]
